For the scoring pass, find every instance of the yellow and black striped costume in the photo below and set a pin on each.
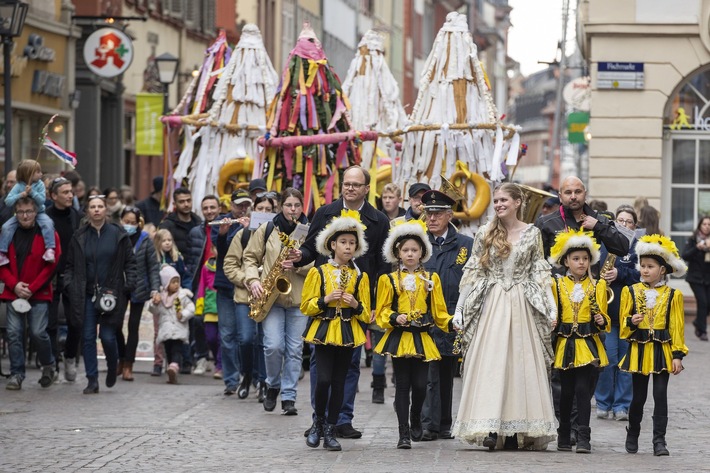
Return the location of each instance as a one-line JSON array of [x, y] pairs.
[[412, 340], [652, 351], [578, 342], [325, 327]]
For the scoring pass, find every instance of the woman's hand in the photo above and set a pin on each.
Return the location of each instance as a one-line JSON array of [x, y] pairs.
[[636, 319], [401, 319], [257, 290], [554, 324], [599, 319], [677, 366]]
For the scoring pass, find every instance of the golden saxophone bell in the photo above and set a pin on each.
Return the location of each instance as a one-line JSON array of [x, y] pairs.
[[608, 264], [609, 295]]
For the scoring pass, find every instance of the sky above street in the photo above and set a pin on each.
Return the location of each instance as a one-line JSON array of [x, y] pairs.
[[536, 29]]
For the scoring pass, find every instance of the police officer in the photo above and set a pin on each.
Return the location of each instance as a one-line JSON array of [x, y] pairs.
[[451, 251]]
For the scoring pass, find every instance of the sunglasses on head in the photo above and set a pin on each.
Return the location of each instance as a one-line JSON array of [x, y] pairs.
[[97, 196], [267, 194]]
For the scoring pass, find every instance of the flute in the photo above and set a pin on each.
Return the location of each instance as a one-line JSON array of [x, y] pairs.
[[224, 221]]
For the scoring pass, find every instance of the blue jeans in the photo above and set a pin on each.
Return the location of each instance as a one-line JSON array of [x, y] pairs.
[[37, 320], [378, 361], [46, 225], [107, 334], [259, 373], [247, 341], [346, 411], [283, 349], [614, 390], [227, 322]]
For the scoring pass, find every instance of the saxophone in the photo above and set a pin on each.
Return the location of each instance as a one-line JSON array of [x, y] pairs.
[[275, 283], [607, 266]]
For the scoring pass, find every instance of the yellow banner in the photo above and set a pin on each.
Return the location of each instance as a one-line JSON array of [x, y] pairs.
[[149, 130]]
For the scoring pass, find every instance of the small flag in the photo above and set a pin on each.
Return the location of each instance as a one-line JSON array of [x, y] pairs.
[[67, 156]]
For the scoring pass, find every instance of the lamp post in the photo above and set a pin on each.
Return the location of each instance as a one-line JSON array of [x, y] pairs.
[[167, 70], [12, 19]]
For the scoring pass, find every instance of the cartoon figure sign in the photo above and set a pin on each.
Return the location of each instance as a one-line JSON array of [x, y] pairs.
[[108, 52]]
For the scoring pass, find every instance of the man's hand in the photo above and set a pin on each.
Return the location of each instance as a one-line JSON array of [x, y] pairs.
[[22, 290], [589, 222], [257, 290], [611, 275], [295, 256]]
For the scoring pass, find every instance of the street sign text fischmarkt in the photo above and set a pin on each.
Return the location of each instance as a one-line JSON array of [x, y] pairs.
[[620, 75]]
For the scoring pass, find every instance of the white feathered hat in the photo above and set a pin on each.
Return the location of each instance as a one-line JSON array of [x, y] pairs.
[[347, 222], [573, 240], [662, 249], [414, 228]]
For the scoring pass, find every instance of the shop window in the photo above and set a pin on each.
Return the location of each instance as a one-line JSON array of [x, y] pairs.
[[683, 161]]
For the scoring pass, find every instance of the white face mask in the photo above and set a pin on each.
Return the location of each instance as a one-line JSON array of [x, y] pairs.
[[130, 229], [114, 208]]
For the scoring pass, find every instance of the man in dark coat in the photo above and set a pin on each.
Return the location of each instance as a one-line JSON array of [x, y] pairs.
[[182, 220], [28, 279], [355, 188], [451, 251], [150, 206], [66, 221]]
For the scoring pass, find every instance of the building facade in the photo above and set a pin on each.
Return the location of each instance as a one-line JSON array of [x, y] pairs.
[[650, 67]]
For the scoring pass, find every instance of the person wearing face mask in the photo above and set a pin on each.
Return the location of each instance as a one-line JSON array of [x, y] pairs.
[[148, 287]]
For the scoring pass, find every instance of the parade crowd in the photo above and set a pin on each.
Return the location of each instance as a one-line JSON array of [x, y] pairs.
[[537, 318]]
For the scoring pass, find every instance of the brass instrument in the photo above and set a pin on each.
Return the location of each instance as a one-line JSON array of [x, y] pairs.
[[607, 266], [534, 199], [343, 281], [275, 284]]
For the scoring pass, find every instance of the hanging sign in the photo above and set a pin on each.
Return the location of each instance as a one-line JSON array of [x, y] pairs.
[[620, 75], [577, 122], [149, 130], [108, 52]]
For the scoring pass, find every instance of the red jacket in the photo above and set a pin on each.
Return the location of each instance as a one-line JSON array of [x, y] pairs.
[[35, 271]]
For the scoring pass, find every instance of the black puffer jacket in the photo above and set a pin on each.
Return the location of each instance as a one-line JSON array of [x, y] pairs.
[[148, 269], [698, 269], [121, 276]]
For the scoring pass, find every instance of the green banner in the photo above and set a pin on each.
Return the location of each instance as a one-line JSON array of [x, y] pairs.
[[149, 129], [577, 122]]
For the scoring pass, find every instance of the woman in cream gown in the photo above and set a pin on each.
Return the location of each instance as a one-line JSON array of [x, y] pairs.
[[506, 309]]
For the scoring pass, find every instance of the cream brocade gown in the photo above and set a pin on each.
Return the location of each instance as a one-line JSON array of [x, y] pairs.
[[507, 348]]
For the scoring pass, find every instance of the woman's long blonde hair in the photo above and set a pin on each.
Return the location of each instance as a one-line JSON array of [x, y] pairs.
[[497, 236]]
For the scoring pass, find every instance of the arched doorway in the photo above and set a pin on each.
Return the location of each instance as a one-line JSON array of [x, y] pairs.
[[686, 163]]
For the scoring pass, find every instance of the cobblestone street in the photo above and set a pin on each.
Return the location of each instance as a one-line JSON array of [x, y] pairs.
[[148, 425]]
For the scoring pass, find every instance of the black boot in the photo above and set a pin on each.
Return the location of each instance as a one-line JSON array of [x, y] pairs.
[[329, 442], [111, 373], [416, 431], [93, 386], [491, 441], [270, 401], [659, 436], [632, 433], [563, 440], [378, 388], [404, 439], [584, 434], [316, 432], [243, 390], [511, 442]]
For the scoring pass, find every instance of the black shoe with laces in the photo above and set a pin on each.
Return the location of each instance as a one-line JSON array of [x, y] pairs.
[[243, 391], [230, 390], [491, 441], [347, 431], [270, 401], [288, 408]]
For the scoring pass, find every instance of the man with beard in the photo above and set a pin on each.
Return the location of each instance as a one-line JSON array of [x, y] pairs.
[[182, 220]]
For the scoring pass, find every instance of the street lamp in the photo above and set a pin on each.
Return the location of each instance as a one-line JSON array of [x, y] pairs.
[[167, 70], [12, 19]]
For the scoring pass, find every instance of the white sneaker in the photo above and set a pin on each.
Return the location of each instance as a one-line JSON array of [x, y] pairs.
[[70, 369], [601, 414], [200, 366]]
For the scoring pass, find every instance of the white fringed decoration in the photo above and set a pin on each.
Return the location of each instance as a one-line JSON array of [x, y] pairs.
[[374, 95], [241, 96], [453, 91]]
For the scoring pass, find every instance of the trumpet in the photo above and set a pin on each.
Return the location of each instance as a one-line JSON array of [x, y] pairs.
[[224, 221], [607, 266]]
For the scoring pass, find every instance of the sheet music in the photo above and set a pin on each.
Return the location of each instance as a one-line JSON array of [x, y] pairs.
[[257, 218], [299, 234]]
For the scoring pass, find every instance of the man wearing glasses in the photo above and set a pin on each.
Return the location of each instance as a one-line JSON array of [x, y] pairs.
[[355, 189], [451, 250], [27, 289], [66, 220]]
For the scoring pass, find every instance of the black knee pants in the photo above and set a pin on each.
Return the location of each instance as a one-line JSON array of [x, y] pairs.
[[660, 394], [173, 351], [410, 374], [577, 384], [333, 363]]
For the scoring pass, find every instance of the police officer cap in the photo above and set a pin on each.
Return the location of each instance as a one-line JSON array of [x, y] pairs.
[[435, 200]]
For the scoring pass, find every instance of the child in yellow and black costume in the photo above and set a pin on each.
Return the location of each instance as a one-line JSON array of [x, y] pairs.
[[652, 321], [409, 302], [581, 316], [336, 297]]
